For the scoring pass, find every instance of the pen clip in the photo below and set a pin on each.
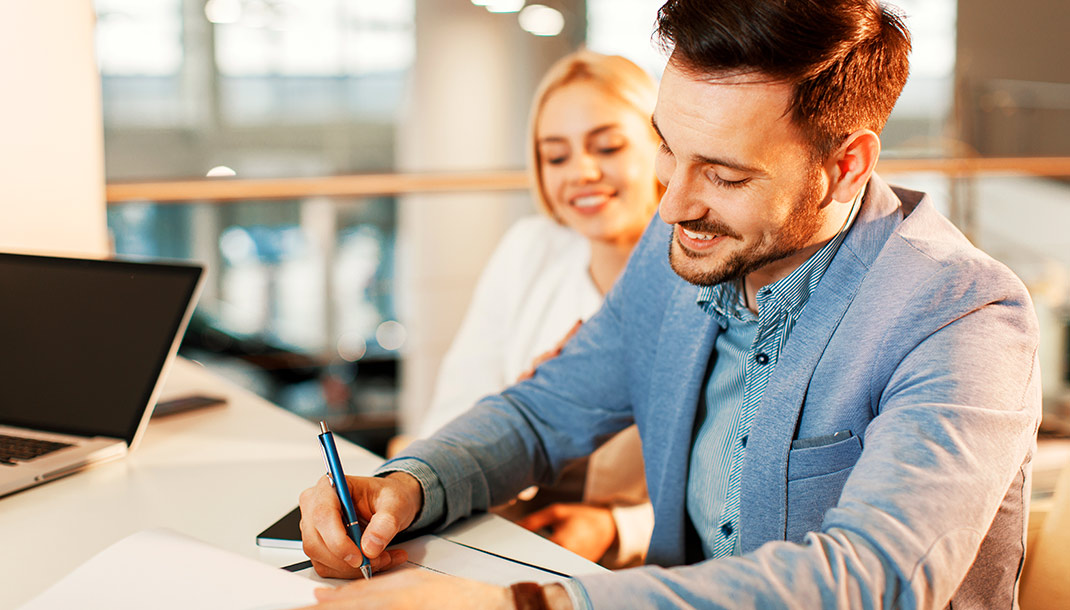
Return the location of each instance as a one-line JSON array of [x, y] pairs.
[[326, 465]]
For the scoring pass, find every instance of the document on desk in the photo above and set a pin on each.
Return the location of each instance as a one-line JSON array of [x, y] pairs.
[[445, 557], [498, 536], [165, 570]]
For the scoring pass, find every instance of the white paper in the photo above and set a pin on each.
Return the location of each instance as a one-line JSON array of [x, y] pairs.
[[164, 570], [446, 557], [498, 536], [437, 554]]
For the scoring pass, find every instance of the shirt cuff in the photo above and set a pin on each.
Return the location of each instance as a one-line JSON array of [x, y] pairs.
[[434, 493], [577, 595], [635, 524]]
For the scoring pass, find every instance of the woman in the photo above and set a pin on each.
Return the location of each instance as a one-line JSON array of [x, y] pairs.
[[591, 154]]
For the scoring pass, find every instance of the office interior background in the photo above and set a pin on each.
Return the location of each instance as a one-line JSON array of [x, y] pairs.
[[346, 167]]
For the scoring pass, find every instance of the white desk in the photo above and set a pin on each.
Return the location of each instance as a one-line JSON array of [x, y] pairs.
[[220, 474]]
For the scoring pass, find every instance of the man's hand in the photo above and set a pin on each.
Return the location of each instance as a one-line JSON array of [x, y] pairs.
[[417, 590], [388, 504], [586, 530]]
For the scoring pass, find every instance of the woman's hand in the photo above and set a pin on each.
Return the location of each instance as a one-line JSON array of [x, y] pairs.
[[586, 530]]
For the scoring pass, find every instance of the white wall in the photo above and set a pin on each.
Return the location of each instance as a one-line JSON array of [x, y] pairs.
[[51, 148]]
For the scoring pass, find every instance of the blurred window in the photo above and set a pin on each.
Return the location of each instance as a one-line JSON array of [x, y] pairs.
[[138, 38], [920, 122], [265, 88]]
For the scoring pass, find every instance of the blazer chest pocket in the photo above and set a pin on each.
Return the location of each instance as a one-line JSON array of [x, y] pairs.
[[816, 475]]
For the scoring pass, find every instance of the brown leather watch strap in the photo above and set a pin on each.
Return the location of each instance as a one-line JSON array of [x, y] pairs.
[[529, 596]]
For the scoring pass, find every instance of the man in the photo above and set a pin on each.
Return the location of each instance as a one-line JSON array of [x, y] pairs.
[[837, 394]]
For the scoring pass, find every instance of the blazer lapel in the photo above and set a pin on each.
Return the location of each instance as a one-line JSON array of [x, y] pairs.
[[685, 343], [763, 503]]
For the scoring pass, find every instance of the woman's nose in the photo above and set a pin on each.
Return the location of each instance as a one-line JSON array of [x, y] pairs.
[[586, 168]]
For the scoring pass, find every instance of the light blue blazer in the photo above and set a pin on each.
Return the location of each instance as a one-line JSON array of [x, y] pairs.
[[917, 343]]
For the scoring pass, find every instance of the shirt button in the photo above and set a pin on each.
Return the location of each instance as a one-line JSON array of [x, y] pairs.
[[743, 441], [761, 359], [726, 529]]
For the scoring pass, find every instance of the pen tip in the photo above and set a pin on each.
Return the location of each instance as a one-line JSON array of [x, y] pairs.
[[366, 571], [323, 427]]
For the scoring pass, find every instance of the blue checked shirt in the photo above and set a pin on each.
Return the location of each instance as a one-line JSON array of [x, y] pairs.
[[745, 353]]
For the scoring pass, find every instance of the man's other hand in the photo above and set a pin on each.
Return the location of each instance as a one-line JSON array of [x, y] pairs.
[[417, 590]]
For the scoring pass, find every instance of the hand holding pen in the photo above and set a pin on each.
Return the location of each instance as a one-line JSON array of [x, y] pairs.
[[341, 487], [330, 534]]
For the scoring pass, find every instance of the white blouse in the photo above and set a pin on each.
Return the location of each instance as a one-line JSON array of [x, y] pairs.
[[535, 287]]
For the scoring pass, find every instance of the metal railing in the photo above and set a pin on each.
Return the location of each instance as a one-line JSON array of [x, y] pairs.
[[224, 190]]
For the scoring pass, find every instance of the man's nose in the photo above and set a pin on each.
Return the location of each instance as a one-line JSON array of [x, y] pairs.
[[680, 203]]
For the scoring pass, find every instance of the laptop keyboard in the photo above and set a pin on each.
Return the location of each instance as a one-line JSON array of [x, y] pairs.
[[18, 448]]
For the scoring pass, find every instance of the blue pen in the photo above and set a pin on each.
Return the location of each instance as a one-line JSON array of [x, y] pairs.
[[338, 481]]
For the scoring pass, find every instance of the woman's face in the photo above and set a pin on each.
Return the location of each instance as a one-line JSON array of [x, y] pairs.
[[597, 159]]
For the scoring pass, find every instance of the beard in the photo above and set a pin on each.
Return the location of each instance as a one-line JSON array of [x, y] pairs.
[[803, 222]]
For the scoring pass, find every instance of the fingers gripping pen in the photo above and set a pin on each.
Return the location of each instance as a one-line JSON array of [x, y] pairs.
[[338, 481]]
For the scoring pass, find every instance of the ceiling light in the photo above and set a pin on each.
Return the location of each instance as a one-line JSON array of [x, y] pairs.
[[504, 6], [541, 20], [223, 11], [221, 171]]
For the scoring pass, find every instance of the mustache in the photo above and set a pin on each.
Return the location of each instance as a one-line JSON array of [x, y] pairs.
[[701, 225]]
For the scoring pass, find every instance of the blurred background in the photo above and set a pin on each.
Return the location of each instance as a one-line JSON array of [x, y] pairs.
[[345, 167]]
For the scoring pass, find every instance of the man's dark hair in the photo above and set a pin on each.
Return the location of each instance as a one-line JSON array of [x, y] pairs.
[[846, 59]]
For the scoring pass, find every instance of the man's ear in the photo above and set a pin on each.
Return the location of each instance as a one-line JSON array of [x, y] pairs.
[[850, 166]]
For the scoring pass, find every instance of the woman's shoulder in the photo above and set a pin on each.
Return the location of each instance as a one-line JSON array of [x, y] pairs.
[[538, 233], [535, 251]]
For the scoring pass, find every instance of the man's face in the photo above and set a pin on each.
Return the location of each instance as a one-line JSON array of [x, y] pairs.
[[743, 189]]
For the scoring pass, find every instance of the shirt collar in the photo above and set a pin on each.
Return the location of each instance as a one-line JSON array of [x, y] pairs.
[[724, 301], [788, 294]]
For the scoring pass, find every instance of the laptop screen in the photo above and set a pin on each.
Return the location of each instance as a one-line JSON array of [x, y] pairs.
[[82, 342]]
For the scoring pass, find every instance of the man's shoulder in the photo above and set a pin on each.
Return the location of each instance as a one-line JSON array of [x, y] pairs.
[[901, 236], [926, 243], [927, 267]]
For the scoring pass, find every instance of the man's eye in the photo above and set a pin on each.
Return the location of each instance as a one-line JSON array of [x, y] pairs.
[[728, 184], [556, 160], [663, 149]]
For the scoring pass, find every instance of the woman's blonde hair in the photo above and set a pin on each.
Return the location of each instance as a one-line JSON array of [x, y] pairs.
[[616, 75]]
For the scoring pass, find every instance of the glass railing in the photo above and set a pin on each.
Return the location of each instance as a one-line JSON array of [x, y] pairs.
[[301, 302]]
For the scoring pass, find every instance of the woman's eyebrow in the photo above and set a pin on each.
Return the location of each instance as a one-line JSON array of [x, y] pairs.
[[593, 132], [602, 128]]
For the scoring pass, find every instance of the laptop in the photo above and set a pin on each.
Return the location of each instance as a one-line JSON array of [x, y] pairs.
[[83, 348]]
